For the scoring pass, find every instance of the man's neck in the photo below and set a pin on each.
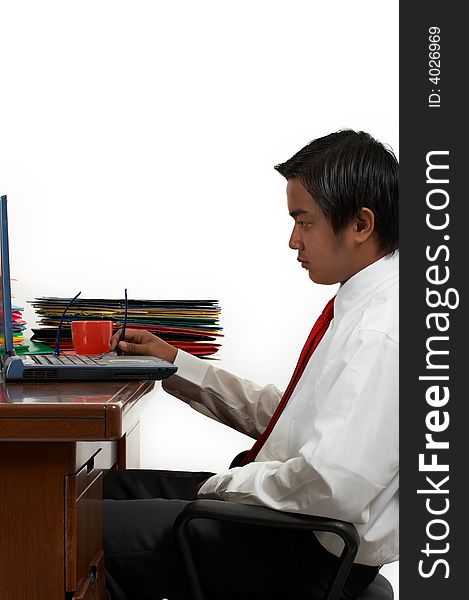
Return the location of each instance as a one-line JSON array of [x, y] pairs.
[[363, 262]]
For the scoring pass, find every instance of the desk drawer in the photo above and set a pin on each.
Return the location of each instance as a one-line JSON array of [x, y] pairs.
[[83, 516]]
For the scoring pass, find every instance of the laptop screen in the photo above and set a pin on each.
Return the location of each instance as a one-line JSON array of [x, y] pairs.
[[6, 327]]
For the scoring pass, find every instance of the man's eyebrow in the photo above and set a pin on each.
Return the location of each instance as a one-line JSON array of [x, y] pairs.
[[298, 212]]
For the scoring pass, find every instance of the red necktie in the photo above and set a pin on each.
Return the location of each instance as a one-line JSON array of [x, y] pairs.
[[317, 332]]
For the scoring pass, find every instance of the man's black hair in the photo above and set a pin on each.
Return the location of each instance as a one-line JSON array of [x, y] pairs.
[[345, 172]]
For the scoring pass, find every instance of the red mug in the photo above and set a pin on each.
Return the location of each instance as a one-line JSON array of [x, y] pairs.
[[91, 337]]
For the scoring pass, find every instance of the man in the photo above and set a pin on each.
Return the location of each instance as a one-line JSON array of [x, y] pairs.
[[329, 447]]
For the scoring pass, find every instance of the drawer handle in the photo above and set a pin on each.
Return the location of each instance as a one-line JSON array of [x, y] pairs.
[[90, 465], [93, 573]]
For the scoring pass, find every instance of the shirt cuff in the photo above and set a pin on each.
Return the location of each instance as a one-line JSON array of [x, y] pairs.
[[190, 367]]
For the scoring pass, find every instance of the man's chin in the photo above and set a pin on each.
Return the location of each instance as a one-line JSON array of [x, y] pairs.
[[315, 278]]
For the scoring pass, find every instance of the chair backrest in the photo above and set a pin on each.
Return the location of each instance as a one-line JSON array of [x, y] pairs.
[[380, 589]]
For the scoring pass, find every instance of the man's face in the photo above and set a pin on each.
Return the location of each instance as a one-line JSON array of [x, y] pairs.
[[328, 258]]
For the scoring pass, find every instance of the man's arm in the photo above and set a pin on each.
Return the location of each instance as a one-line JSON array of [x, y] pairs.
[[219, 394], [237, 402]]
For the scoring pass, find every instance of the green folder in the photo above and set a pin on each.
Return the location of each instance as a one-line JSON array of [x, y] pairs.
[[34, 348]]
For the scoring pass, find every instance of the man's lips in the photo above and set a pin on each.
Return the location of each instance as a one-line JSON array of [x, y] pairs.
[[303, 262]]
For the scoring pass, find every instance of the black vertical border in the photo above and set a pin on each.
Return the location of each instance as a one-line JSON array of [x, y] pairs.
[[424, 129]]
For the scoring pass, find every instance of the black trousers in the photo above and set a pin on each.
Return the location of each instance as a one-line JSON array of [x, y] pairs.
[[235, 562]]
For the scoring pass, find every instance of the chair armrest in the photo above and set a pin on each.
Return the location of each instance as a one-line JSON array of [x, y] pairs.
[[220, 510], [234, 512]]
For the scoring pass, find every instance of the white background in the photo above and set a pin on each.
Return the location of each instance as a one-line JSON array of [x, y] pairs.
[[137, 144]]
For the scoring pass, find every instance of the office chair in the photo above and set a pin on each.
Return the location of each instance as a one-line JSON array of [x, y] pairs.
[[219, 510]]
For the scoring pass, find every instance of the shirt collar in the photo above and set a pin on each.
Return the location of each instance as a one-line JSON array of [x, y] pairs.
[[362, 283]]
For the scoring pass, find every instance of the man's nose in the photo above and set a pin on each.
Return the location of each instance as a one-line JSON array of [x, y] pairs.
[[295, 243]]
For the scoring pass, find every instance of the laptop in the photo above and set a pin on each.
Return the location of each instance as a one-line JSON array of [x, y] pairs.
[[59, 367]]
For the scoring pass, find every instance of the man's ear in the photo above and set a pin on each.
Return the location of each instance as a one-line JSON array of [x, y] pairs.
[[364, 225]]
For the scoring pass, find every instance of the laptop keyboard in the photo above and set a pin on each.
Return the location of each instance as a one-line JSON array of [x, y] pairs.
[[52, 359]]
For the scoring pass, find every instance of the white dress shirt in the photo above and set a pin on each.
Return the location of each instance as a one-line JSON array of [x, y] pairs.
[[334, 449]]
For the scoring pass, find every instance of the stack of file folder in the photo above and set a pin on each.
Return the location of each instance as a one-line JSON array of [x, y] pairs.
[[19, 325], [18, 328], [191, 325]]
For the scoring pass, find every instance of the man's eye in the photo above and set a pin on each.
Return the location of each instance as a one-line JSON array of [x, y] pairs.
[[302, 224]]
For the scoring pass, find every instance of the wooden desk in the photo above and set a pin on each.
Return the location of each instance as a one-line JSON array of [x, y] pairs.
[[56, 442]]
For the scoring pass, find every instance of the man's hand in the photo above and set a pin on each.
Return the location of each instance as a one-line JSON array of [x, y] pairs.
[[144, 343]]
